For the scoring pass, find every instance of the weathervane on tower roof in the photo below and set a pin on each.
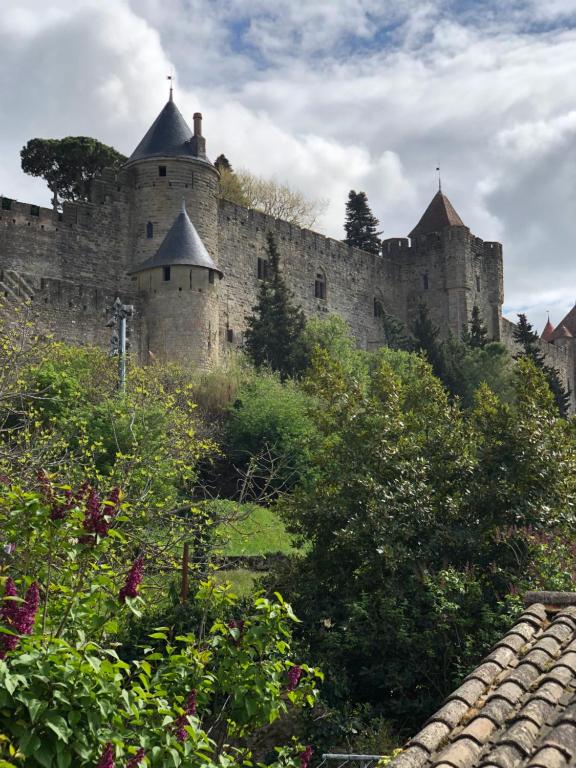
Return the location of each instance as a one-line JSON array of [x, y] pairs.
[[439, 179], [171, 78]]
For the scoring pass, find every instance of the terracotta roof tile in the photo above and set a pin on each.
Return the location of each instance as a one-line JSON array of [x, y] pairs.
[[569, 321], [561, 332], [439, 215], [518, 708], [546, 334]]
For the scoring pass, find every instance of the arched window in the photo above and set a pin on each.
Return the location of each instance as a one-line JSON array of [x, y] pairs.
[[378, 309], [320, 286], [149, 230]]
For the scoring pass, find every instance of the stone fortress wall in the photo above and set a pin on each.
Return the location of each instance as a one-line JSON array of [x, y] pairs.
[[71, 266], [68, 267]]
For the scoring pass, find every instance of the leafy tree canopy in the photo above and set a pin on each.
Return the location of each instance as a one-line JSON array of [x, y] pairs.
[[418, 516], [68, 165], [268, 195]]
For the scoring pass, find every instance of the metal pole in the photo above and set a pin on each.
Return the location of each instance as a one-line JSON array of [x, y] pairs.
[[122, 354]]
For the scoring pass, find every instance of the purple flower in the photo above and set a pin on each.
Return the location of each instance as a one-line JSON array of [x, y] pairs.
[[305, 757], [182, 721], [294, 675], [130, 588], [107, 757], [97, 515], [136, 759], [18, 617], [59, 510], [27, 611]]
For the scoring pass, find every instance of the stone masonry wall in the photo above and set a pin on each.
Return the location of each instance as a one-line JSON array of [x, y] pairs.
[[157, 200], [353, 278], [68, 268]]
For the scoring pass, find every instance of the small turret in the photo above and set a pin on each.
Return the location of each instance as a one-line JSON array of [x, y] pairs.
[[180, 291], [548, 331], [169, 164]]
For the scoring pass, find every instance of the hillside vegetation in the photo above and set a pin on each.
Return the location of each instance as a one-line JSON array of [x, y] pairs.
[[158, 544]]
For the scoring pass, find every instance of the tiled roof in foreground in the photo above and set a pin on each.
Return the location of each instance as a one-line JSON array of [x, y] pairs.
[[518, 708]]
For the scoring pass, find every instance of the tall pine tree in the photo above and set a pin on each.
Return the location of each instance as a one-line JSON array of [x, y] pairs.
[[274, 329], [475, 335], [528, 340], [361, 225]]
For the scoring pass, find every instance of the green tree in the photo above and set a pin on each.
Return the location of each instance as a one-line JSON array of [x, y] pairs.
[[68, 165], [395, 335], [222, 163], [475, 335], [529, 342], [417, 518], [361, 225], [275, 327], [426, 336]]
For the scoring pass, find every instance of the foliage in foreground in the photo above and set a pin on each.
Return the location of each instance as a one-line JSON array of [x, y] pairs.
[[67, 698]]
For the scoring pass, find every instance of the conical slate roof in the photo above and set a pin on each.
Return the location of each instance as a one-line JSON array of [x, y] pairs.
[[168, 136], [439, 215], [181, 246], [546, 334]]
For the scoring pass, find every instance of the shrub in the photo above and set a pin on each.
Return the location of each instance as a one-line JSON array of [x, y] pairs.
[[271, 433]]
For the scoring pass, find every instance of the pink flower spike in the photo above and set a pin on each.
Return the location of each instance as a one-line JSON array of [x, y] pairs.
[[130, 588], [294, 675], [136, 759], [107, 757], [305, 757]]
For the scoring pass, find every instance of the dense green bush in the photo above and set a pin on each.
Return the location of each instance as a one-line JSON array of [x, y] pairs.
[[271, 433], [421, 520]]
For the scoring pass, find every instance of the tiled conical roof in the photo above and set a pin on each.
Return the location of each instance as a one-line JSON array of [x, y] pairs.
[[546, 334], [570, 321], [168, 136], [439, 215], [561, 332], [181, 246]]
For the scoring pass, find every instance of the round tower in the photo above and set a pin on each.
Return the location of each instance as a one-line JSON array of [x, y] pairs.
[[179, 288], [168, 166]]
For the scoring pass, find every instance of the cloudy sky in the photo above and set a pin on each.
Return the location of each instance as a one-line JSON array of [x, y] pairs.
[[330, 95]]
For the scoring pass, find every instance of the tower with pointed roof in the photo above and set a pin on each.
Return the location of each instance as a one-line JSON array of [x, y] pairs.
[[451, 271], [178, 286], [170, 165]]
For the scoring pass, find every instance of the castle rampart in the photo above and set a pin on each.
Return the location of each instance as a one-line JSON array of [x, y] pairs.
[[69, 266]]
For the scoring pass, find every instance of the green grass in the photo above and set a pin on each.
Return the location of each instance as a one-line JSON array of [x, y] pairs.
[[241, 580], [250, 530]]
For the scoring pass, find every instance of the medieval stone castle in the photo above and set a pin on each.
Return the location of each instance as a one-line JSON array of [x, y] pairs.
[[157, 235]]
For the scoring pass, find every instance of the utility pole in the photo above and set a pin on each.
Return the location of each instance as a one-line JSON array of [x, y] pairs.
[[120, 314]]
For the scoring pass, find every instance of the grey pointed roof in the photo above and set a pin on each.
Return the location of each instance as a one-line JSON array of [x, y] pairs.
[[439, 214], [181, 246], [168, 136]]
